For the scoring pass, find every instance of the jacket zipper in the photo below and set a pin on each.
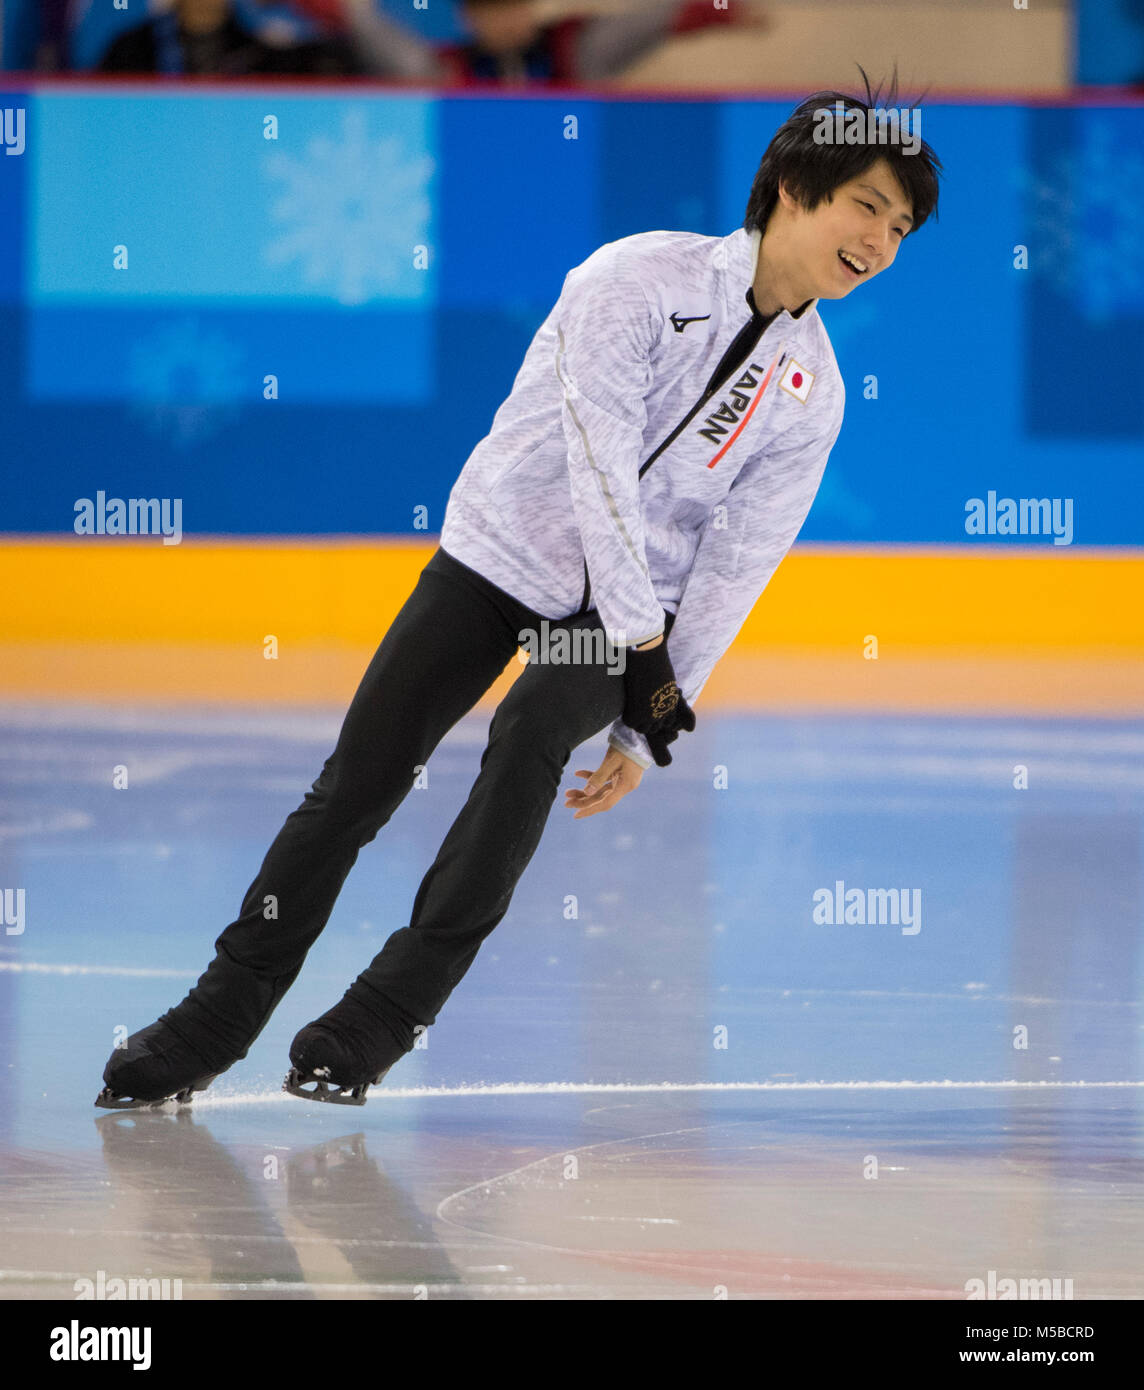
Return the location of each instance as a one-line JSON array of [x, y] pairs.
[[737, 353]]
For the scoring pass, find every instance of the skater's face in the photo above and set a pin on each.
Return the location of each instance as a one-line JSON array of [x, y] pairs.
[[865, 221]]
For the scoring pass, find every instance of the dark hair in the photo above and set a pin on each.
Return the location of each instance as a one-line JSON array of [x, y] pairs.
[[813, 170]]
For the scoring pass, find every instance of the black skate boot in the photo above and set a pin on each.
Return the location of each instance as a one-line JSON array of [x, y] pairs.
[[155, 1066], [343, 1053], [192, 1044]]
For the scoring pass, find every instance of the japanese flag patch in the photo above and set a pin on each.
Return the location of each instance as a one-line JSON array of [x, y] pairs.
[[797, 381]]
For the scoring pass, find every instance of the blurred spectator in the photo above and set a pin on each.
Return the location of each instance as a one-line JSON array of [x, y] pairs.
[[55, 20], [511, 43], [205, 37]]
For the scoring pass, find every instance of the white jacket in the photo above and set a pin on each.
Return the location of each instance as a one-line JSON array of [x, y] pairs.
[[655, 452]]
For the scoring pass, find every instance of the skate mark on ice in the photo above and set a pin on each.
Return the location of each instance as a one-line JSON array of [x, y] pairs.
[[212, 1100], [31, 967]]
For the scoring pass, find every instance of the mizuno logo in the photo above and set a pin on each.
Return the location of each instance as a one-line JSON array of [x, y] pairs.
[[680, 324]]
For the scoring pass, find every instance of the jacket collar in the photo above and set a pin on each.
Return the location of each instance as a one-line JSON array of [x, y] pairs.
[[738, 258]]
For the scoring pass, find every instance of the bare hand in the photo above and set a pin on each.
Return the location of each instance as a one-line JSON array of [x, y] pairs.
[[612, 780]]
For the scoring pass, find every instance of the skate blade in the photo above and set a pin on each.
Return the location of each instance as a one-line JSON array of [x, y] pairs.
[[325, 1091], [108, 1100]]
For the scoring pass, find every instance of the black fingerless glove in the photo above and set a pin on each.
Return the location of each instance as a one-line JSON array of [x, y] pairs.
[[650, 691]]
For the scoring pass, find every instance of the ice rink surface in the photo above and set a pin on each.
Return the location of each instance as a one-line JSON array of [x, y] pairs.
[[662, 1078]]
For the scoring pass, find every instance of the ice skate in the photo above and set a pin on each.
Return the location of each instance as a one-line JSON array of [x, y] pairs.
[[157, 1065], [342, 1054], [323, 1089], [191, 1044]]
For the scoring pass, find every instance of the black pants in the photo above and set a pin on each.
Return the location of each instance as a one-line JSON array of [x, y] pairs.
[[451, 640]]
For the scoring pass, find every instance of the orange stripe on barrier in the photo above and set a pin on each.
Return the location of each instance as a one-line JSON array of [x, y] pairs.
[[1033, 628]]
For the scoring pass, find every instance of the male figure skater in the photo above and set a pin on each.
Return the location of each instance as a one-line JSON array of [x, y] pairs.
[[656, 458]]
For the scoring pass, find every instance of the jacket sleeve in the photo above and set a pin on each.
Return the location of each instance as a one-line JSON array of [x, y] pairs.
[[743, 542], [604, 333]]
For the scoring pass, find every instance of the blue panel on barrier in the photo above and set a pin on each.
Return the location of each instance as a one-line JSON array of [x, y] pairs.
[[637, 197], [1086, 316], [519, 200], [389, 257], [205, 206], [171, 354]]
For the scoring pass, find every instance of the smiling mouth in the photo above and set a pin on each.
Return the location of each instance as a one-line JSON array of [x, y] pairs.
[[856, 267]]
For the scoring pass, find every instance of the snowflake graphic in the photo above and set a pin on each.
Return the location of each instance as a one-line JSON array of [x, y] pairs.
[[353, 210], [182, 381], [1086, 223]]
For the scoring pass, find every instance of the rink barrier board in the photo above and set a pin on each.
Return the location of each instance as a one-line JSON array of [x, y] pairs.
[[1040, 628]]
